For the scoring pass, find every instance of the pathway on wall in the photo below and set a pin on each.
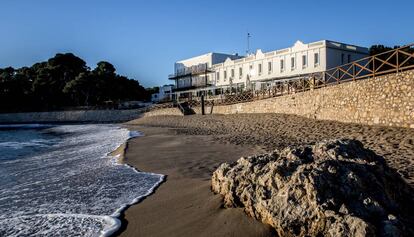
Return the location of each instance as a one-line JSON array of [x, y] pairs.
[[386, 100]]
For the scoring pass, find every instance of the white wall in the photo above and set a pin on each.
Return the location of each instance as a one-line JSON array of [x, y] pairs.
[[250, 64], [206, 59], [334, 57], [209, 59], [202, 59], [328, 58], [329, 54], [164, 93]]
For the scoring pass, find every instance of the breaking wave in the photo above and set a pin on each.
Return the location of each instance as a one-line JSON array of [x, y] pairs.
[[61, 180]]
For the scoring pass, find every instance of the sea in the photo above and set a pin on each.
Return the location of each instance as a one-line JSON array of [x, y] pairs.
[[61, 180]]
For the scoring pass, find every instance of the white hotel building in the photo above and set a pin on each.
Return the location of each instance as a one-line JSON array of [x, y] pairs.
[[214, 72]]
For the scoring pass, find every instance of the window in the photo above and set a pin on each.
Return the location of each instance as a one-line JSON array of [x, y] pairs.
[[240, 72], [342, 58], [282, 65], [218, 76], [292, 63], [225, 75], [260, 68], [269, 67], [232, 72], [316, 59], [349, 58], [304, 61]]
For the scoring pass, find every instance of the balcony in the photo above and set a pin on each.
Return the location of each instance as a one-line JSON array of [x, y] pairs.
[[191, 71]]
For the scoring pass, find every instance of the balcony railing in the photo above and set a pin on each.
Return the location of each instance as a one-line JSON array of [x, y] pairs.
[[189, 71]]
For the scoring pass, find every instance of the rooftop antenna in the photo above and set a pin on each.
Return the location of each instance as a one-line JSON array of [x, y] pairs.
[[248, 43]]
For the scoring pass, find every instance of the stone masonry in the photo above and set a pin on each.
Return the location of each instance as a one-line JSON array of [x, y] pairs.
[[165, 111], [386, 100], [79, 116]]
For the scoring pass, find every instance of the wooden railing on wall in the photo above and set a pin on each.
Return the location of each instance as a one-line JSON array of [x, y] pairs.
[[393, 61]]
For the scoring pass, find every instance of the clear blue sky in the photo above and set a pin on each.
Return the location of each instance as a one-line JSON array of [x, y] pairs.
[[144, 38]]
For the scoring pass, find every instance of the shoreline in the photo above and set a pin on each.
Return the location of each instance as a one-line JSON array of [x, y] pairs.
[[277, 131], [188, 149], [118, 155], [174, 209], [91, 184]]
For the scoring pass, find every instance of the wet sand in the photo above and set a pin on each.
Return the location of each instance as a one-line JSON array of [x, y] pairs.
[[276, 131], [184, 204], [188, 149]]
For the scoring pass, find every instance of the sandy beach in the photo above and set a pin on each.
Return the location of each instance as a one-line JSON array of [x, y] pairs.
[[184, 205], [188, 149]]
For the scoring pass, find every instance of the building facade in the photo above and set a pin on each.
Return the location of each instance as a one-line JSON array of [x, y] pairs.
[[258, 71], [165, 93], [196, 72]]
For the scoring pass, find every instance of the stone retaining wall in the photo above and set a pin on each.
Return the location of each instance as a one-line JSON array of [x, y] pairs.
[[166, 111], [386, 100], [81, 116]]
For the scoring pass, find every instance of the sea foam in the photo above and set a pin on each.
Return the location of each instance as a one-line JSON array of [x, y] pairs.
[[68, 184]]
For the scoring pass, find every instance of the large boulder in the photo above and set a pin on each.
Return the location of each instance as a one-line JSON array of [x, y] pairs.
[[335, 188]]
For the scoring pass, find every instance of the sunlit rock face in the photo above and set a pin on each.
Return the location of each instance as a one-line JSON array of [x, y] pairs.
[[335, 188]]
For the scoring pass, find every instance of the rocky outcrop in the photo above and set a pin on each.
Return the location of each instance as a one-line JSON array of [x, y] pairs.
[[335, 188]]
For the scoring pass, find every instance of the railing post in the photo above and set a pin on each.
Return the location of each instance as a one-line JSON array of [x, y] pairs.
[[373, 66], [353, 71], [303, 84], [313, 82], [339, 76], [202, 105], [398, 63]]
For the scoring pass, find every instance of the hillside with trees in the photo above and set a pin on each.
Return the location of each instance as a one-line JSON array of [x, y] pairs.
[[65, 81]]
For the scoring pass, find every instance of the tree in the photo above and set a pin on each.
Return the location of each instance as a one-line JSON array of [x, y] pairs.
[[15, 88], [105, 68], [67, 65], [47, 88], [379, 48], [153, 90], [383, 52], [81, 89], [52, 76], [64, 80]]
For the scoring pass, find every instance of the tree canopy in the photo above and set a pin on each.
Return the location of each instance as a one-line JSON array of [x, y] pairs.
[[65, 81], [379, 48]]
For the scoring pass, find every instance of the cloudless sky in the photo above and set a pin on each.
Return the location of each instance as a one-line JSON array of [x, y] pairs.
[[143, 39]]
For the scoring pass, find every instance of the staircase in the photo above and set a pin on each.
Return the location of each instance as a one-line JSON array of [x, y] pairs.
[[185, 108]]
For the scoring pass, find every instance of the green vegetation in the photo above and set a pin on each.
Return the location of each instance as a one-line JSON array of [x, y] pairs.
[[390, 57], [65, 81], [379, 48], [153, 90]]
